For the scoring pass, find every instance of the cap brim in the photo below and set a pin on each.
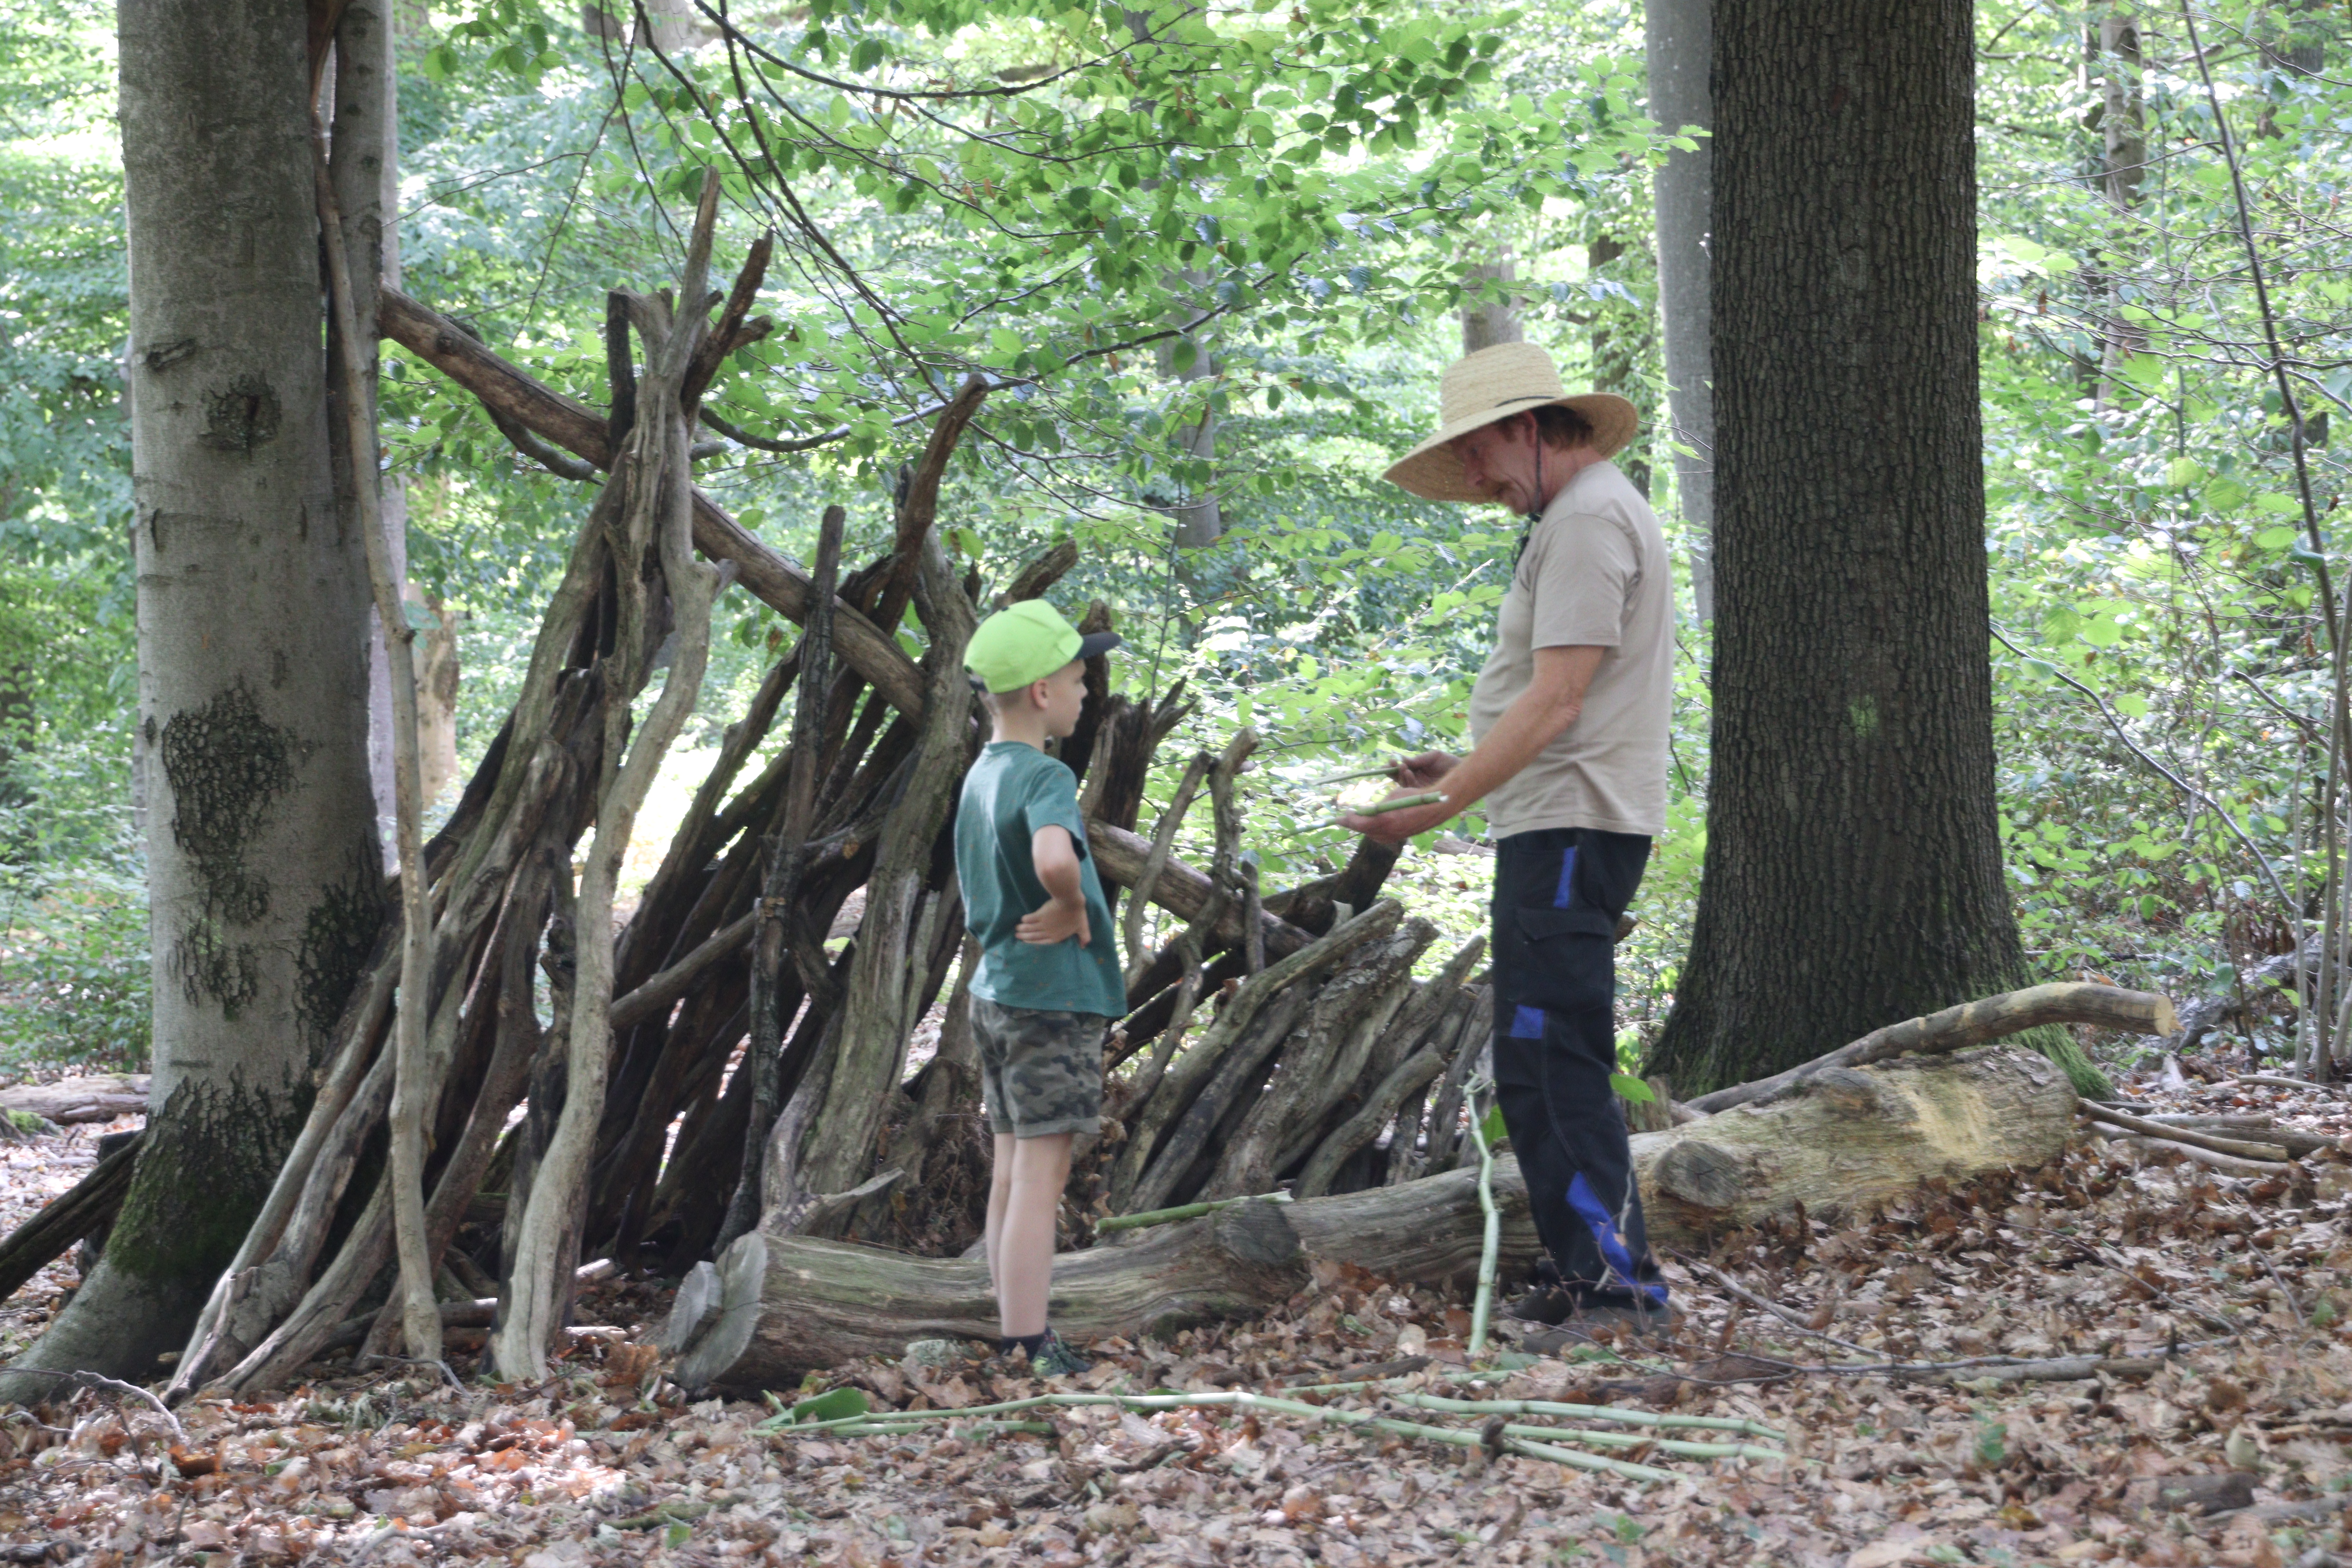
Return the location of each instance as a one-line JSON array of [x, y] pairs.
[[1094, 645]]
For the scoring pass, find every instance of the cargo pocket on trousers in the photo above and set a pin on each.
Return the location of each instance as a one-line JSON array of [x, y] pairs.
[[1571, 960]]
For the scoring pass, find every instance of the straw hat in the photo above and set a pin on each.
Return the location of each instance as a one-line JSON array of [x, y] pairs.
[[1495, 384]]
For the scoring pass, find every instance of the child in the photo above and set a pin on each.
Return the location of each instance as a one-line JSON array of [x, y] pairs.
[[1048, 982]]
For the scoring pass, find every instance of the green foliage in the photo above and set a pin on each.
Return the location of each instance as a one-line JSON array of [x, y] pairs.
[[1264, 216], [74, 973]]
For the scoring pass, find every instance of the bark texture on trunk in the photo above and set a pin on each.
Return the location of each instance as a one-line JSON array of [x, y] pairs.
[[364, 142], [1678, 34], [1852, 874], [1486, 322], [264, 871]]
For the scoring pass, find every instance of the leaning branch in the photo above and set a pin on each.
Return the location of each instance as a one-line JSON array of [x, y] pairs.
[[1969, 1024], [773, 577]]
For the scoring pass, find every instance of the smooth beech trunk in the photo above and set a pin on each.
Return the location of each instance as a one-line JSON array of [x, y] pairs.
[[1677, 34], [1853, 874], [264, 874]]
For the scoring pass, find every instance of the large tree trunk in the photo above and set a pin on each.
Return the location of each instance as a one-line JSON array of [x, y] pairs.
[[1678, 36], [1852, 873], [1486, 322], [264, 872], [365, 144], [2123, 164]]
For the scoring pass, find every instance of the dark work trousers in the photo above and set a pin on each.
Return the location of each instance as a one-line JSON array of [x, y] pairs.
[[1557, 896]]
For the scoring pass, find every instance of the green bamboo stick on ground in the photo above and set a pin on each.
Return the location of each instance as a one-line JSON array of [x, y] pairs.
[[1587, 1413], [904, 1421]]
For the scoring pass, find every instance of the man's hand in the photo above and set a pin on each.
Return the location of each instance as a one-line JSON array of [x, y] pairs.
[[1423, 770], [1055, 920], [1396, 826]]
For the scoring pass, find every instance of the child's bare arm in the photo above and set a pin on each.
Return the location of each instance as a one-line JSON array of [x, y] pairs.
[[1064, 914]]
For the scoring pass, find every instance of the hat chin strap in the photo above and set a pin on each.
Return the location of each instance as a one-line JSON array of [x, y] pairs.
[[1535, 510]]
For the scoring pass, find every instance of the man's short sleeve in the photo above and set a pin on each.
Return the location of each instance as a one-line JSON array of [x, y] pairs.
[[1582, 583], [1051, 800]]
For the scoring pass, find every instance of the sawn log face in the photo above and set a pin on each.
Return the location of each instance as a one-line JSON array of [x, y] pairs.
[[1849, 1138]]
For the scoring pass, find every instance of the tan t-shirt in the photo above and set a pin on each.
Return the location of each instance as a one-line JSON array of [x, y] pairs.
[[1595, 574]]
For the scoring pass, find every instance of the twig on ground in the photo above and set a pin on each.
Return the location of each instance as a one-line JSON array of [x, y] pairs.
[[2091, 1254], [440, 1366], [113, 1384], [1753, 1300], [2169, 1132]]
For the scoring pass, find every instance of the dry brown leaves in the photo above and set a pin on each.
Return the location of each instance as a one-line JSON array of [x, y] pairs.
[[2093, 1256]]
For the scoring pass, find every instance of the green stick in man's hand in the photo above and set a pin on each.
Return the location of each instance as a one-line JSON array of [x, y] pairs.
[[1403, 803]]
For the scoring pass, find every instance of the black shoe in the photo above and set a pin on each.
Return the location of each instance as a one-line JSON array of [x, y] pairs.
[[1055, 1359], [1630, 1323], [1546, 1304]]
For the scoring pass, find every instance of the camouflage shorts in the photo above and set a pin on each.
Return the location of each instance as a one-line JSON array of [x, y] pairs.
[[1040, 1071]]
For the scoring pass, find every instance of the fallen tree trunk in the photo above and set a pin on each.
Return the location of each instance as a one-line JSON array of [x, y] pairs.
[[1849, 1139], [69, 1099], [784, 1304]]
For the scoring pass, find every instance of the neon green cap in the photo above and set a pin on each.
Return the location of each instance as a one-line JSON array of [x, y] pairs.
[[1026, 641]]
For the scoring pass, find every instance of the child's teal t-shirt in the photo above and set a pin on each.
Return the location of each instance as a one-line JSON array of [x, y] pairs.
[[1012, 792]]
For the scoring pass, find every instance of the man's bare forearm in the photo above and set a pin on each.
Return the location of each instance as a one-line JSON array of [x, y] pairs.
[[1535, 718]]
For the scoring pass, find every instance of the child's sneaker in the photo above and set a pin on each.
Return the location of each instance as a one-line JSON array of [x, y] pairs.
[[1055, 1359]]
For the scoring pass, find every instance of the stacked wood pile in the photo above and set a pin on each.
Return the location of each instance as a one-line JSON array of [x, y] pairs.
[[715, 1064]]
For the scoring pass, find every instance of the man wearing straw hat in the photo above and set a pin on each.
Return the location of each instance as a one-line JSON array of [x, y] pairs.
[[1569, 721]]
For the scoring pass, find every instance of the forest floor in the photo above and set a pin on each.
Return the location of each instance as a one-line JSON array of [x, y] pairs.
[[2248, 1283]]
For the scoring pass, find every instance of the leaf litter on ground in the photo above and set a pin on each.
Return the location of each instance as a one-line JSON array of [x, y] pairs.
[[2223, 1301]]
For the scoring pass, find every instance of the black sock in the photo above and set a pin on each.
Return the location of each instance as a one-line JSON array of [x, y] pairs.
[[1031, 1343]]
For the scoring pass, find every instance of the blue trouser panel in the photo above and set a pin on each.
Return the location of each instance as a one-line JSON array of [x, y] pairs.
[[1557, 897]]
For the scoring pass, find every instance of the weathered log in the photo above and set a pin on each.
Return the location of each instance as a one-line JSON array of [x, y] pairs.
[[1969, 1023], [2175, 1132], [100, 1099], [1120, 856], [1317, 1063], [1850, 1138], [83, 1209], [789, 1303]]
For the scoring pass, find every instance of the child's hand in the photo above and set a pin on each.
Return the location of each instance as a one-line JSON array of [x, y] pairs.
[[1055, 920]]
